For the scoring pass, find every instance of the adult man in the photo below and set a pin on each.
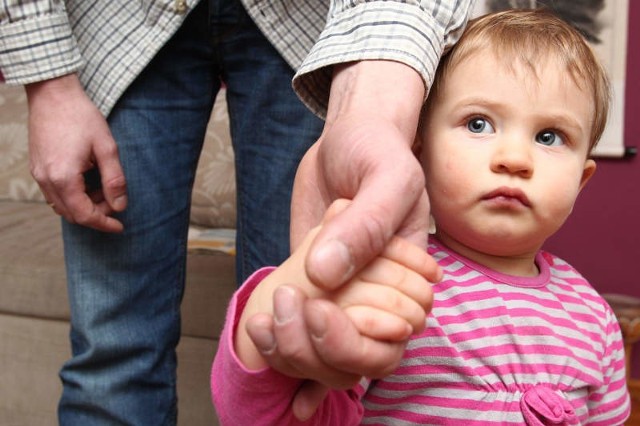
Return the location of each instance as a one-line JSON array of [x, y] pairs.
[[153, 67]]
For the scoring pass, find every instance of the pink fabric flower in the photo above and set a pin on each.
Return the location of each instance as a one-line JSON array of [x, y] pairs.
[[542, 406]]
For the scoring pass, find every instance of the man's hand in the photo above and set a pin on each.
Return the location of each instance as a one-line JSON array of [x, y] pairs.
[[334, 338], [364, 155], [316, 338], [387, 301], [68, 137]]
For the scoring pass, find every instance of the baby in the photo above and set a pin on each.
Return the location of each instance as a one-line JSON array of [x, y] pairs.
[[515, 335]]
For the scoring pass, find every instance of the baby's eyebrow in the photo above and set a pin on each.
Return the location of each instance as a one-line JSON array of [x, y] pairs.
[[481, 102], [567, 121], [478, 101]]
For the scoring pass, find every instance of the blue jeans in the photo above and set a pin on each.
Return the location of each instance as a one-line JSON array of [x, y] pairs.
[[125, 290]]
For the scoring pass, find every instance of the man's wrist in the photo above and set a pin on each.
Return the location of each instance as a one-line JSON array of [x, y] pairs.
[[387, 89], [65, 85]]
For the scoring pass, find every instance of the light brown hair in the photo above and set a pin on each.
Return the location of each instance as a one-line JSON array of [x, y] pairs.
[[530, 38]]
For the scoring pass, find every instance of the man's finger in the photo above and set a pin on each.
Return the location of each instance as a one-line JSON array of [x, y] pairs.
[[294, 345], [112, 178], [308, 399], [285, 345], [339, 344], [308, 201], [359, 233], [83, 211]]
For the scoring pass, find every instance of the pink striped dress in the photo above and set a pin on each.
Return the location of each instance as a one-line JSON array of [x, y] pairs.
[[498, 350]]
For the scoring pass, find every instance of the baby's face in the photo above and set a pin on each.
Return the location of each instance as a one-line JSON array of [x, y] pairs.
[[505, 154]]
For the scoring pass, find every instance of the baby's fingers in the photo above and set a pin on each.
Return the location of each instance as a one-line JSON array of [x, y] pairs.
[[413, 257], [387, 298], [378, 324], [390, 273]]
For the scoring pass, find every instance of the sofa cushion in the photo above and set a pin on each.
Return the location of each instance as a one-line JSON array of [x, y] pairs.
[[34, 283], [31, 353], [32, 267], [34, 349], [16, 182]]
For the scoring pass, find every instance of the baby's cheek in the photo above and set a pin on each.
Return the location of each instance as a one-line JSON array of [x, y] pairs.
[[561, 201]]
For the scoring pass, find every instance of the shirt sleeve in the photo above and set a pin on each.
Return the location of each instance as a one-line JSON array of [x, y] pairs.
[[611, 405], [264, 397], [36, 42], [415, 33]]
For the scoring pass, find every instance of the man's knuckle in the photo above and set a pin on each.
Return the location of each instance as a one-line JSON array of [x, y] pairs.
[[83, 217], [377, 232], [116, 183], [109, 149]]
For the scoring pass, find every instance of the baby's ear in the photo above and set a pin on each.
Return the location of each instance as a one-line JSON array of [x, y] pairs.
[[588, 171], [416, 148]]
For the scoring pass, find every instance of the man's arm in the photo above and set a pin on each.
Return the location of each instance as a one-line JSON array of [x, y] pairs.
[[389, 52], [68, 136], [378, 59], [364, 154], [414, 33]]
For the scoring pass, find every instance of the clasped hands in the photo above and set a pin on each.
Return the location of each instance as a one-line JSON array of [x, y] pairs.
[[332, 338]]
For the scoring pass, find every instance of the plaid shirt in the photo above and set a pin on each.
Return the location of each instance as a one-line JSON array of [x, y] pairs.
[[109, 42]]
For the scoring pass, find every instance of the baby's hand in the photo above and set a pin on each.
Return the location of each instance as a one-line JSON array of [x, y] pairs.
[[387, 300], [390, 298]]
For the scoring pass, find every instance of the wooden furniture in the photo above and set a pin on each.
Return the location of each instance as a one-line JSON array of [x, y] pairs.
[[627, 310]]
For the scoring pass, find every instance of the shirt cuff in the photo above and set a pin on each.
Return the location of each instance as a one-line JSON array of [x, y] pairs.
[[38, 49], [370, 31]]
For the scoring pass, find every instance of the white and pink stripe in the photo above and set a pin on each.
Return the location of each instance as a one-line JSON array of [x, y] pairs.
[[490, 338], [496, 351]]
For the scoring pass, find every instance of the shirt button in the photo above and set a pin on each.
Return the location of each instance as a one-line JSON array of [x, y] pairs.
[[180, 6]]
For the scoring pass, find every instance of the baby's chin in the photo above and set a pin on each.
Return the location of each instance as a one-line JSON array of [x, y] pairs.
[[497, 242]]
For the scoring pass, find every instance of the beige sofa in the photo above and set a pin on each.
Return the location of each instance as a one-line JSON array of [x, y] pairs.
[[34, 311]]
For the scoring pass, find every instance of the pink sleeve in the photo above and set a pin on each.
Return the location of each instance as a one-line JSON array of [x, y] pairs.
[[611, 403], [264, 397]]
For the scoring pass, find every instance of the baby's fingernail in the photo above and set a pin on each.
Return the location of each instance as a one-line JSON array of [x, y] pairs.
[[334, 263], [283, 305]]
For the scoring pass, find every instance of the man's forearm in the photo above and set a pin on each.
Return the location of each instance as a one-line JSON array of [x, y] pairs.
[[390, 90]]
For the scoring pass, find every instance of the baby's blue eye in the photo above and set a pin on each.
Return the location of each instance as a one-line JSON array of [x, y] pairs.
[[479, 125], [549, 138]]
